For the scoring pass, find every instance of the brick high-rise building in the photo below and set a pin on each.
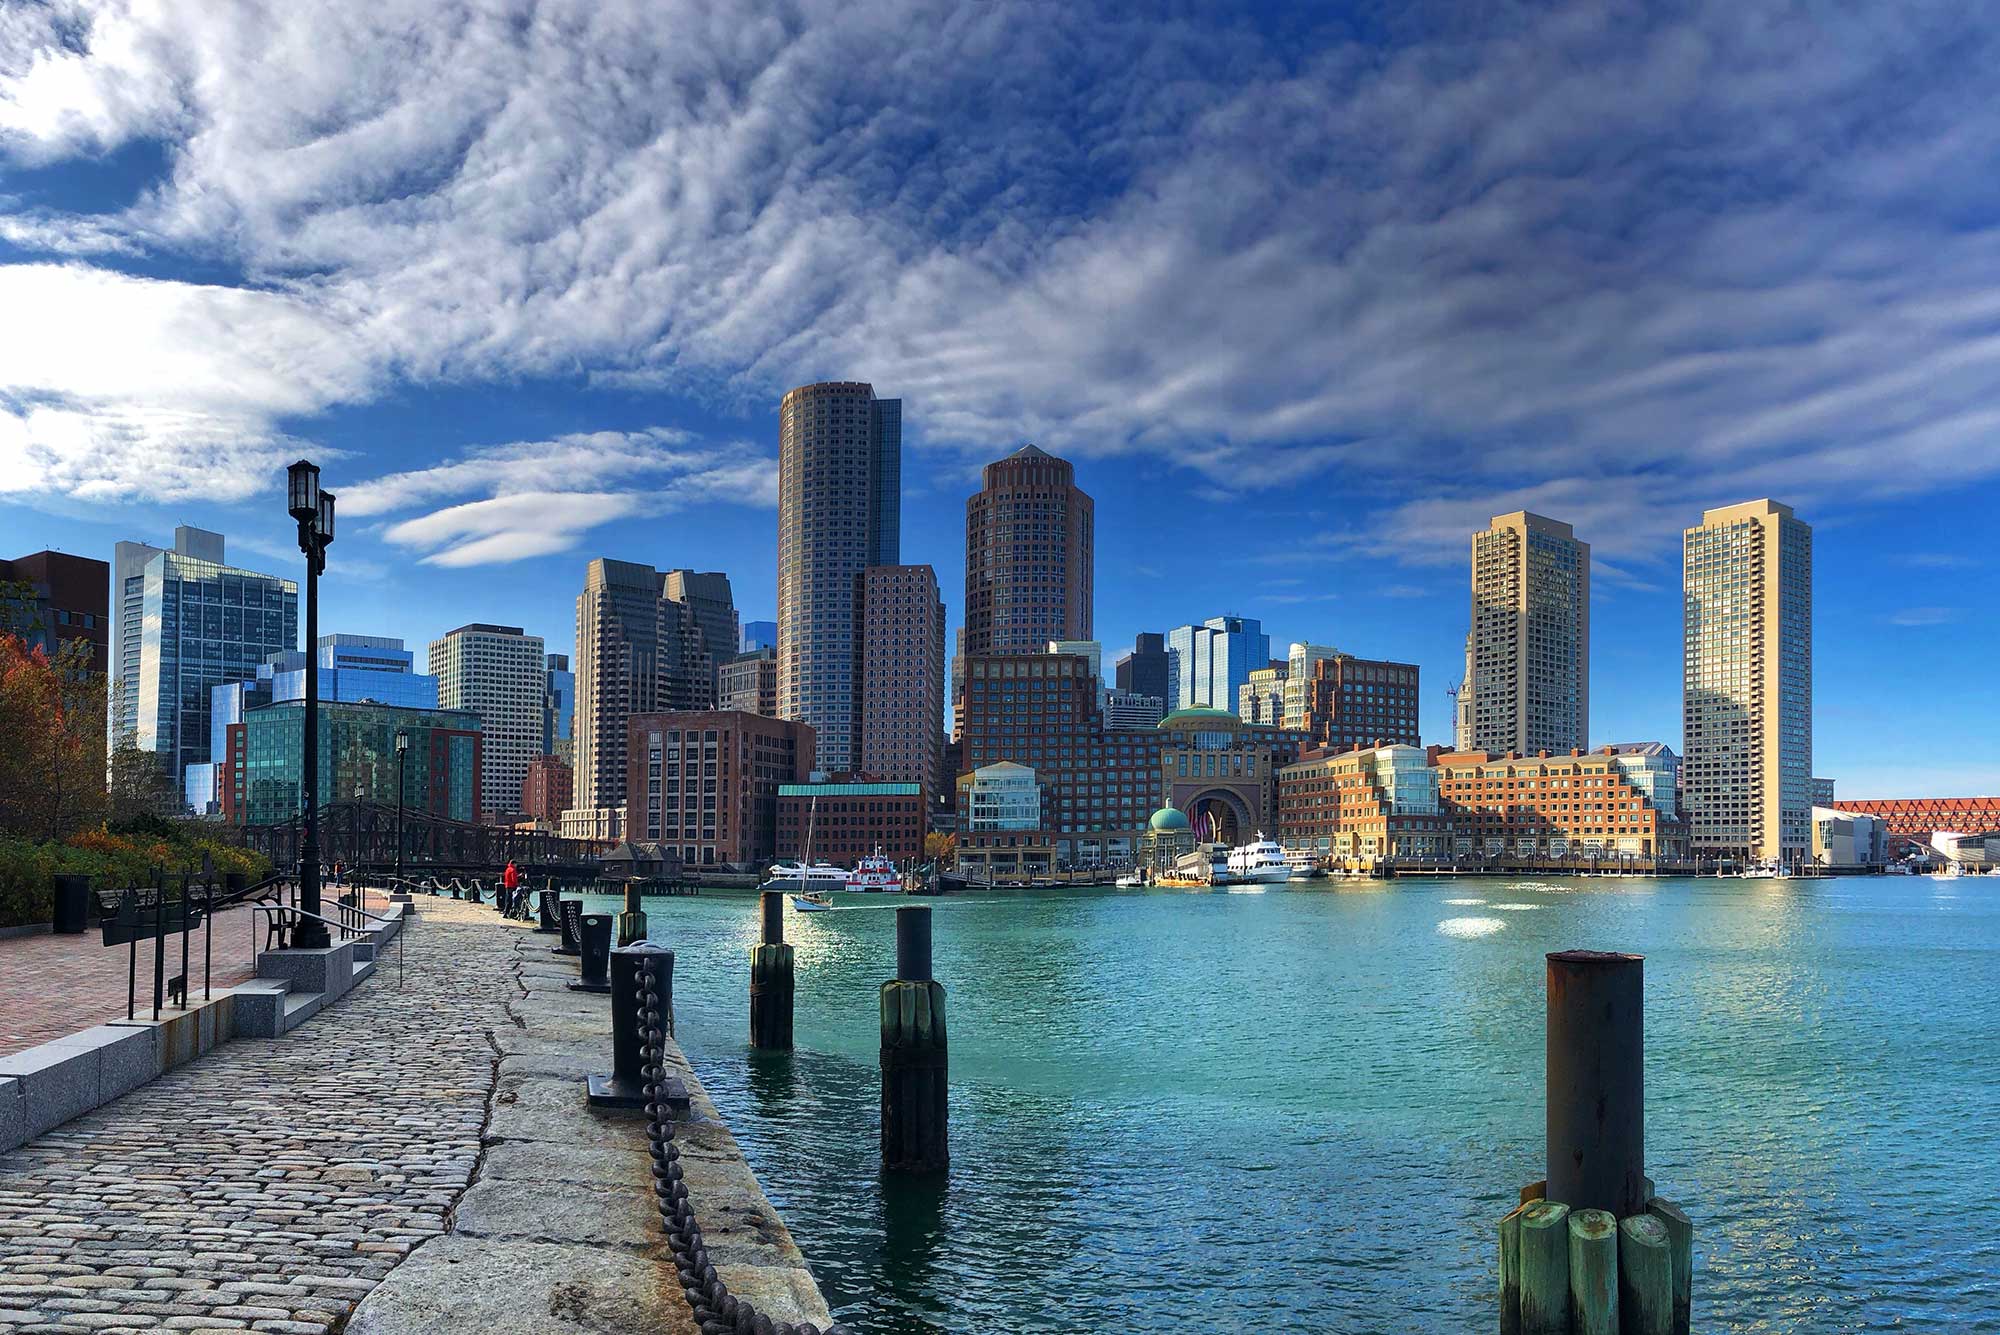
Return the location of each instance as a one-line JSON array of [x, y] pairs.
[[65, 602], [704, 783], [901, 691], [549, 789], [1530, 654], [840, 463], [499, 673], [1030, 534], [1746, 704], [1352, 702]]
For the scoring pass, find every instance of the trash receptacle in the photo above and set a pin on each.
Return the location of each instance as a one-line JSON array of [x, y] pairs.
[[72, 905]]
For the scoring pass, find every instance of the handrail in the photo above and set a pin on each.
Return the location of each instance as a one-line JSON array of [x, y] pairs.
[[346, 930]]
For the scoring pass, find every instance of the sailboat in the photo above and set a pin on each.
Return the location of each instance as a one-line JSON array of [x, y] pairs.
[[814, 901]]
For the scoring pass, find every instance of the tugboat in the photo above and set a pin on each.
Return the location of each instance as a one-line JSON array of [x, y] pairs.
[[876, 874]]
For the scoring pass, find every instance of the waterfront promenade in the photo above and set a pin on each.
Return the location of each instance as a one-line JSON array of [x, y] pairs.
[[411, 1159]]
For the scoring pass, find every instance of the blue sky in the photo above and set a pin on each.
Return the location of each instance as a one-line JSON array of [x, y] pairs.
[[1306, 294]]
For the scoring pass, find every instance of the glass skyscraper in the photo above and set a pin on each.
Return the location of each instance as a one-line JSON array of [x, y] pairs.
[[357, 758], [1215, 660]]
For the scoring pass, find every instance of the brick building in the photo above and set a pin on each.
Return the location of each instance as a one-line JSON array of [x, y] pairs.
[[1352, 702], [849, 820], [548, 789], [1615, 800], [704, 783], [900, 694], [1364, 805], [67, 599]]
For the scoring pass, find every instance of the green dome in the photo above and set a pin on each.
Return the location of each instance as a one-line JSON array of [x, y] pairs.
[[1198, 713], [1167, 818]]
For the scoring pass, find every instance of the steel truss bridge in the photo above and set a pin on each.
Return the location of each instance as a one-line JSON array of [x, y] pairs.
[[362, 835]]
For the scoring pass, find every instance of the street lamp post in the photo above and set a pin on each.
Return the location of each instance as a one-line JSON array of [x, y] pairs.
[[313, 509], [402, 750]]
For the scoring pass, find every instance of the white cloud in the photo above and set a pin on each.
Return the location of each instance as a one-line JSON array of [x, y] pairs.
[[1616, 268]]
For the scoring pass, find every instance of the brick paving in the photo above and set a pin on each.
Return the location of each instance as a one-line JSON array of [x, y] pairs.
[[55, 985], [272, 1183]]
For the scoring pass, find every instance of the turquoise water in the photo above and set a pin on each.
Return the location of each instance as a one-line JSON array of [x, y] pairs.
[[1308, 1108]]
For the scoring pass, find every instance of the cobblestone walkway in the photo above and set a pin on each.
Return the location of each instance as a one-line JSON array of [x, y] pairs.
[[272, 1183]]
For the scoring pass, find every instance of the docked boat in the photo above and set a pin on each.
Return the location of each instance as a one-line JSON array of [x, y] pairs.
[[1304, 863], [1131, 880], [874, 875], [1260, 862], [813, 901], [802, 876]]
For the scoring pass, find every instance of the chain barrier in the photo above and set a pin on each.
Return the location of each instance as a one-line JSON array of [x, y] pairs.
[[716, 1310]]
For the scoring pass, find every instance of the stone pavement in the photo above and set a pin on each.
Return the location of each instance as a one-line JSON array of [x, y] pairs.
[[272, 1183]]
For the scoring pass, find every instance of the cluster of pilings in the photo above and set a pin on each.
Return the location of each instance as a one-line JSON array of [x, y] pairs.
[[1591, 1250]]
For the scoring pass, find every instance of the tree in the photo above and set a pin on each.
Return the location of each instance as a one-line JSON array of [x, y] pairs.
[[52, 735], [139, 787], [940, 848]]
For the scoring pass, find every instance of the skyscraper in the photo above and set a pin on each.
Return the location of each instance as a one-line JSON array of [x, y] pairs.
[[901, 692], [638, 650], [1300, 661], [499, 673], [1146, 671], [559, 712], [840, 461], [1746, 703], [1029, 543], [1530, 656], [1213, 661], [759, 635], [185, 623]]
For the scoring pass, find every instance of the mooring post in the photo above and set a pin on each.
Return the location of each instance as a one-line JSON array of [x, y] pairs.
[[914, 1102], [771, 979], [545, 907], [1595, 1253], [570, 921], [595, 929], [632, 922]]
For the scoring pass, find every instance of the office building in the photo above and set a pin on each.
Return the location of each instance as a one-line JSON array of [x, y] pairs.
[[357, 759], [1615, 801], [185, 623], [1262, 698], [548, 790], [1350, 702], [1222, 772], [1746, 700], [1300, 662], [851, 820], [900, 694], [1000, 836], [354, 668], [640, 651], [704, 784], [63, 602], [840, 452], [1128, 711], [1822, 792], [500, 673], [1379, 803], [1848, 838], [1213, 661], [1029, 543], [1146, 671], [758, 635], [559, 710], [748, 683], [1530, 655]]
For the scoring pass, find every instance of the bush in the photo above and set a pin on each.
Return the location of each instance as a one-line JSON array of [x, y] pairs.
[[112, 861]]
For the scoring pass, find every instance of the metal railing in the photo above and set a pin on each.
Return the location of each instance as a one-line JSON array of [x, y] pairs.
[[284, 919]]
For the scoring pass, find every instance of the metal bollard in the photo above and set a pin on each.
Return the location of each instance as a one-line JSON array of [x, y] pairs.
[[596, 932], [570, 918], [625, 1087], [1596, 1082], [632, 922], [915, 1107], [771, 980], [546, 907]]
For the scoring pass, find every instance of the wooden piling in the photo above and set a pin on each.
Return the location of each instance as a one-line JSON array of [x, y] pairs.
[[1645, 1276], [1510, 1271], [914, 1101], [1680, 1248], [1593, 1272], [1545, 1269], [771, 996]]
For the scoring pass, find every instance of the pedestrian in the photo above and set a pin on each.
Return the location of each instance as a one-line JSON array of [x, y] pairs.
[[511, 881]]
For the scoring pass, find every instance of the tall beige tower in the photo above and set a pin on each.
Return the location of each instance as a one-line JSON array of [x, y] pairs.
[[1528, 665], [501, 674], [1746, 699], [840, 453]]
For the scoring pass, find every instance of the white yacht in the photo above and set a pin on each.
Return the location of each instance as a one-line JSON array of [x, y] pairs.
[[876, 875], [1261, 862], [1304, 863], [805, 876]]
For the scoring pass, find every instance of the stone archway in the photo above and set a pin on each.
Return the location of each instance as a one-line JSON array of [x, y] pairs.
[[1220, 815]]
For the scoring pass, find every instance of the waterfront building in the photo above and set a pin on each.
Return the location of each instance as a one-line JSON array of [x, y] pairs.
[[599, 825], [1822, 792], [748, 683], [1169, 838], [1128, 711], [1616, 800], [900, 694], [64, 601], [1529, 663], [639, 651], [1223, 772], [1746, 703], [1366, 805], [840, 460], [499, 673], [187, 622], [1029, 550], [1917, 818], [1979, 850], [852, 819], [1262, 698], [1147, 670], [758, 635], [1350, 702], [704, 783], [1093, 652], [1848, 838], [1301, 661], [1212, 661], [559, 710], [548, 790], [357, 759], [1001, 836]]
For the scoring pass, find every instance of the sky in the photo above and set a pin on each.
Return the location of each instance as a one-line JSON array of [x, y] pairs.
[[1307, 293]]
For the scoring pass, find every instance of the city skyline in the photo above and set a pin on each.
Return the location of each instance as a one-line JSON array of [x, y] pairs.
[[1633, 328]]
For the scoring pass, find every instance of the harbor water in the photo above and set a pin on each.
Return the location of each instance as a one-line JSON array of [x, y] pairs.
[[1307, 1108]]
